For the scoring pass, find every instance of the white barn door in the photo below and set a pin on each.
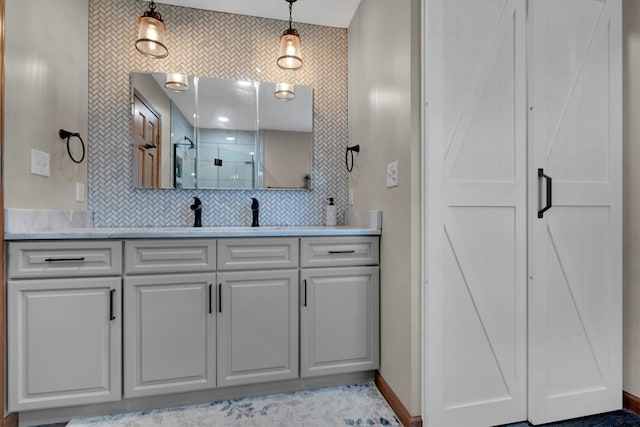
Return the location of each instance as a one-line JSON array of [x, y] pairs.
[[575, 258], [476, 134]]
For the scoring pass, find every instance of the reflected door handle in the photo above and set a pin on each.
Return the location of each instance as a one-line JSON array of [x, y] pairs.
[[548, 201]]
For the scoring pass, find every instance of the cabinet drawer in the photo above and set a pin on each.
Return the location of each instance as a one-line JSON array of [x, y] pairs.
[[340, 251], [261, 253], [64, 258], [164, 256]]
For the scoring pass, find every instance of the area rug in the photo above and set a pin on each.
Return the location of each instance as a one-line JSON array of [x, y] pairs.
[[351, 405]]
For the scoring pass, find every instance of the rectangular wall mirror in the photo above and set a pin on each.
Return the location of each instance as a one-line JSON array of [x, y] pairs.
[[219, 134]]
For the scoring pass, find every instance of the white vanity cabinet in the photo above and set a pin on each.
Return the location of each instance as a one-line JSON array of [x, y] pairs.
[[63, 323], [170, 322], [339, 317], [100, 320], [257, 310]]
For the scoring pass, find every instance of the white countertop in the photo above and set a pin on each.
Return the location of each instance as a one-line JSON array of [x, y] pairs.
[[191, 232]]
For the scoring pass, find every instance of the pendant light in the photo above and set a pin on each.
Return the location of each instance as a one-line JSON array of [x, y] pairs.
[[177, 82], [151, 31], [285, 92], [289, 58]]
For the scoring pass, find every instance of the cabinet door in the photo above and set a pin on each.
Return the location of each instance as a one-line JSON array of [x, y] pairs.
[[575, 285], [339, 320], [64, 342], [475, 300], [257, 326], [169, 333]]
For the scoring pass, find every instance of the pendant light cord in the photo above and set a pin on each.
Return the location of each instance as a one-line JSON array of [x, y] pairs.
[[290, 12]]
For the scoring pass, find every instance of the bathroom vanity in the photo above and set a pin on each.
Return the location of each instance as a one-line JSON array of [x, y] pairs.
[[161, 317]]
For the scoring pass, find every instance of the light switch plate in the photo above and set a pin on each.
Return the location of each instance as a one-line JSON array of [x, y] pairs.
[[392, 174], [39, 162], [351, 196]]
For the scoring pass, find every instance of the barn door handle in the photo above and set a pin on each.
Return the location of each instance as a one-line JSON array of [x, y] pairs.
[[548, 195]]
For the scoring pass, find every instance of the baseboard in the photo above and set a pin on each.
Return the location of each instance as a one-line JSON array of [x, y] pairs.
[[631, 402], [10, 421], [401, 411]]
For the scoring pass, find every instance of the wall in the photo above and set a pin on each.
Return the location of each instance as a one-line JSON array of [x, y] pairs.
[[384, 119], [46, 76], [631, 201], [279, 148], [216, 45]]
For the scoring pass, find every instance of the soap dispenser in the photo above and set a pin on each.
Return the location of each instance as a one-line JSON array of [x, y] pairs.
[[330, 216]]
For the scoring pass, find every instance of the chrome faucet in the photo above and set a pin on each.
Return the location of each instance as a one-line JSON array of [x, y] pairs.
[[196, 207]]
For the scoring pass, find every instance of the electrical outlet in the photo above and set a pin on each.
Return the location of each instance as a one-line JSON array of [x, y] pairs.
[[39, 162], [392, 174], [79, 192]]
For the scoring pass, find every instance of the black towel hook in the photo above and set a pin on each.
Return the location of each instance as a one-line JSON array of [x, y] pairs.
[[65, 134], [355, 148]]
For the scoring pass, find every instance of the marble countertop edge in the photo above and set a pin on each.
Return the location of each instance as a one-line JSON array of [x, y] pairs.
[[191, 232]]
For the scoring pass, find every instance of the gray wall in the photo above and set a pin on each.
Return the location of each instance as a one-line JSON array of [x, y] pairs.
[[46, 57], [384, 119], [216, 45]]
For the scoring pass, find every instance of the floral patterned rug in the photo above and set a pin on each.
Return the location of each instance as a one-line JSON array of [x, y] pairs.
[[351, 405]]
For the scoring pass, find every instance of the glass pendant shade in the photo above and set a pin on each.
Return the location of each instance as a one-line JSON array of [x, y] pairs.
[[150, 39], [177, 82], [284, 91], [290, 58]]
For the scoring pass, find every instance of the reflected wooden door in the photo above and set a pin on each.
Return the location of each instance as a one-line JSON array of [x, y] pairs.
[[146, 143]]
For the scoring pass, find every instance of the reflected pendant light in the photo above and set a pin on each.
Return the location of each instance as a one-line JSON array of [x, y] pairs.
[[151, 31], [289, 58], [177, 82], [285, 92]]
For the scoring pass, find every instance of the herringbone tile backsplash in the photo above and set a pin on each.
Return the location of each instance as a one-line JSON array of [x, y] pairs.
[[216, 45]]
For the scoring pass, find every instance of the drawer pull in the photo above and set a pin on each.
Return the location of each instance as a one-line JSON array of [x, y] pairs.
[[342, 252], [112, 315], [219, 297], [81, 258]]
